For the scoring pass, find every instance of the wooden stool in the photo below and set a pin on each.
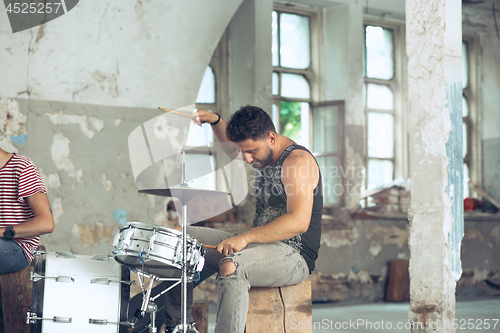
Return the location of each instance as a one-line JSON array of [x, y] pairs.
[[200, 316], [16, 291], [279, 310]]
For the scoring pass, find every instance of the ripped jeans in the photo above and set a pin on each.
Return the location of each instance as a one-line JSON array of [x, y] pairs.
[[258, 265]]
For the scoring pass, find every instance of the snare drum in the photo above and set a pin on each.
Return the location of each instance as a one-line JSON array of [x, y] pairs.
[[156, 250], [79, 293]]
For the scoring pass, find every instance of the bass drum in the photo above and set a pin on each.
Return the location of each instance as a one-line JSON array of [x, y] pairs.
[[79, 293]]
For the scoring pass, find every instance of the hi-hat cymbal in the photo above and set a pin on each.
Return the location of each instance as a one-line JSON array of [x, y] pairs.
[[183, 192]]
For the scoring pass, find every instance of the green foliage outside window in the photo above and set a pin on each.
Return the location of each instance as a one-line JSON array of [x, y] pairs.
[[290, 119]]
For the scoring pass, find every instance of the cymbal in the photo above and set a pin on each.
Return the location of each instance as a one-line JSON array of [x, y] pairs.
[[183, 192]]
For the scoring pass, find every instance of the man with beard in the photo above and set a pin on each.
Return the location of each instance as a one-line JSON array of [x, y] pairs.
[[281, 247]]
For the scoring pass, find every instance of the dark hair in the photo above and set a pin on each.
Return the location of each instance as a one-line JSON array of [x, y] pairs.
[[249, 122]]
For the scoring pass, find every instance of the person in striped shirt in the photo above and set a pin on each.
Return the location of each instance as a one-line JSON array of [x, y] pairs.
[[24, 211]]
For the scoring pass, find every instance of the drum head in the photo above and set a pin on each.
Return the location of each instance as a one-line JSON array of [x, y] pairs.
[[151, 266]]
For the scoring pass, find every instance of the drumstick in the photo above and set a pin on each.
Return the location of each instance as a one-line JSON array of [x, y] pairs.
[[176, 112], [210, 246]]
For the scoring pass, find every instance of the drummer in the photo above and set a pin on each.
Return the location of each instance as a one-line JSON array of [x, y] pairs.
[[281, 247]]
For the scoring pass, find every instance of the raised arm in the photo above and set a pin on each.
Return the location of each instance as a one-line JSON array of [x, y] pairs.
[[219, 129]]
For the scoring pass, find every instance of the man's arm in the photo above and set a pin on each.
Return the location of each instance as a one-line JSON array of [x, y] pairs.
[[41, 223], [300, 176], [219, 129]]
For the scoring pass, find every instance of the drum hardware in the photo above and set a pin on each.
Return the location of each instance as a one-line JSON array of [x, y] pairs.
[[184, 193], [32, 318], [148, 305], [35, 277], [101, 257], [107, 281], [105, 322], [60, 254]]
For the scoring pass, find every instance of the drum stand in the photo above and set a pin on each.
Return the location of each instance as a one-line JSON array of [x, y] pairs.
[[184, 193], [148, 305]]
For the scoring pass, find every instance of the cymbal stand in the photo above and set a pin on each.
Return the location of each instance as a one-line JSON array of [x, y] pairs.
[[184, 202]]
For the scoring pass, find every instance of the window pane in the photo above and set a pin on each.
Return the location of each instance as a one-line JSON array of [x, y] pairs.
[[294, 39], [275, 83], [206, 94], [330, 173], [380, 135], [466, 181], [274, 47], [199, 136], [465, 107], [379, 173], [294, 121], [326, 131], [464, 126], [465, 66], [295, 86], [379, 53], [379, 97], [197, 171], [276, 118]]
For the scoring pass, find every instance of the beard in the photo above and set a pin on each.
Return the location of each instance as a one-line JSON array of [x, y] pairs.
[[266, 161]]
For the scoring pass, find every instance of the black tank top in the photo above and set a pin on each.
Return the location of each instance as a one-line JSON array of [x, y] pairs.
[[271, 203]]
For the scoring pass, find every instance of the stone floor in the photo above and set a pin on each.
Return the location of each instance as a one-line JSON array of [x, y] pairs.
[[385, 317]]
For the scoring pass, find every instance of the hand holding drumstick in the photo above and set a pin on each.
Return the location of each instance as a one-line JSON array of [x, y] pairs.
[[199, 117]]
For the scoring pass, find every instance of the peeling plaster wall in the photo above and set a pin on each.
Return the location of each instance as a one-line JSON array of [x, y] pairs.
[[88, 177], [72, 90], [135, 53], [355, 254]]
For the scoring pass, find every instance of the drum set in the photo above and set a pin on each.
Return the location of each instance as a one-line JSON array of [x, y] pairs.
[[153, 252]]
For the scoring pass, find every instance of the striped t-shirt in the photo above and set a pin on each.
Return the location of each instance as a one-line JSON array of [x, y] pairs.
[[19, 179]]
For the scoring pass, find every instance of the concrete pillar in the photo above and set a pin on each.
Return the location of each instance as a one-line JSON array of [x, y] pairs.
[[250, 55], [250, 73], [434, 37], [343, 80]]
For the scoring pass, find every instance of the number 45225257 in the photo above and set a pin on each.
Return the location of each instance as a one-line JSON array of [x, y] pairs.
[[33, 8]]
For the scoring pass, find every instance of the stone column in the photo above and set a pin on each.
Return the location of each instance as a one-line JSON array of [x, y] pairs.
[[250, 70], [434, 39]]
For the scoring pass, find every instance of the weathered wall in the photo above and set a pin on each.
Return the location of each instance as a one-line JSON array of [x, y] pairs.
[[82, 154], [136, 53], [73, 89]]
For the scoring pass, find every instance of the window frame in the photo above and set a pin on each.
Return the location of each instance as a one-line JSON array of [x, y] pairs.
[[313, 76], [341, 141], [308, 73], [398, 86], [473, 158]]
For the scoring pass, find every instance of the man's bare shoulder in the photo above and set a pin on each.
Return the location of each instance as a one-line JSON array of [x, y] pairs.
[[300, 164], [299, 157]]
